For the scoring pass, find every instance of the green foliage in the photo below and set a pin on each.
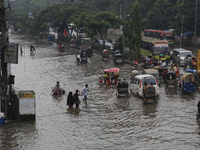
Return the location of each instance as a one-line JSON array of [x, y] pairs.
[[96, 23], [137, 29], [156, 14], [120, 43]]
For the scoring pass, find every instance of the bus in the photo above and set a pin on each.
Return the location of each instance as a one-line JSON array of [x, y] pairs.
[[167, 35], [159, 49]]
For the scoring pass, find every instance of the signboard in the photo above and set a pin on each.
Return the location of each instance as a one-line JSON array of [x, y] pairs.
[[11, 53], [27, 106]]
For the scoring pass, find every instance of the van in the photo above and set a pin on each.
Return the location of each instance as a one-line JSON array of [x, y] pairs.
[[136, 85], [179, 55]]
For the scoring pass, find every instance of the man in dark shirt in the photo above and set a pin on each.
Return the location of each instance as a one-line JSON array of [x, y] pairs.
[[76, 98]]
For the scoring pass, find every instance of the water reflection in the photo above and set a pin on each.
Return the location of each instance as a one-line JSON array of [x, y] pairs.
[[149, 109], [14, 131]]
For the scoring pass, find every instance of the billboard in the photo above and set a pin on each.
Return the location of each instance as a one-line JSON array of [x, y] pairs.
[[11, 53]]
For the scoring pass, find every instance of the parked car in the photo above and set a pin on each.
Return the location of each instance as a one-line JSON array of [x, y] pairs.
[[179, 55], [136, 86]]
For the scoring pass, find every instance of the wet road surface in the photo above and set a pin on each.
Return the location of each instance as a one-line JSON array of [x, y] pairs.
[[125, 122]]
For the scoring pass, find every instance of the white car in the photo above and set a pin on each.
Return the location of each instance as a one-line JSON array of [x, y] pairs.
[[136, 86]]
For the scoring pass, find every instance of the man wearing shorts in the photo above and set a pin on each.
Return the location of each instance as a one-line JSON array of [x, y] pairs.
[[84, 93]]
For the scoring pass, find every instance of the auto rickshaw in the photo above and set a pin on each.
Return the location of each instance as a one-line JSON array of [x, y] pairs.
[[171, 80], [149, 94], [118, 58], [104, 55], [148, 62], [187, 83], [134, 73], [122, 89], [111, 78]]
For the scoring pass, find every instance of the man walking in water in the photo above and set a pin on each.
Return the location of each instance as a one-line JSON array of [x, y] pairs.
[[85, 89]]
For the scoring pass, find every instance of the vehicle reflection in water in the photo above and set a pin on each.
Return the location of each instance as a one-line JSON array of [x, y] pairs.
[[149, 110]]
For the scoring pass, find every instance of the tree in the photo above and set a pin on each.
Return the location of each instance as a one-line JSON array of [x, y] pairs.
[[137, 29], [97, 23], [129, 35]]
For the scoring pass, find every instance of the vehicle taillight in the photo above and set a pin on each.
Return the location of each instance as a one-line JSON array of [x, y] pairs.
[[140, 82], [156, 81]]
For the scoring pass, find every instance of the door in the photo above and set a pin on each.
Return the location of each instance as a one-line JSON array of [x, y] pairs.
[[137, 88], [132, 85]]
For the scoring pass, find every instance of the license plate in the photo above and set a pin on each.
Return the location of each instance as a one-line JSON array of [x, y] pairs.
[[119, 61]]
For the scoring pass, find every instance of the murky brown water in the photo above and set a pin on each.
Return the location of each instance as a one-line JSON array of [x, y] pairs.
[[170, 124]]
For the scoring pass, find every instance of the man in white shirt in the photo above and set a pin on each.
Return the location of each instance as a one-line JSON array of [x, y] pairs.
[[78, 57], [163, 64], [85, 89]]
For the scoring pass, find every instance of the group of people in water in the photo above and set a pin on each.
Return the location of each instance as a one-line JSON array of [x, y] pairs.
[[81, 57], [74, 98], [32, 48]]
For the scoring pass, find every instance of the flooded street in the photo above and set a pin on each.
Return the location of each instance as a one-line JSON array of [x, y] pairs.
[[124, 123]]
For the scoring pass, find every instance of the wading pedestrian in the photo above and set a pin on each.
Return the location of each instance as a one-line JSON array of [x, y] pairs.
[[70, 100], [76, 98], [84, 93]]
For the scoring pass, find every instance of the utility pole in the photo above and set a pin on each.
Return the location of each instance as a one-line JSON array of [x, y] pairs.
[[123, 26], [195, 29], [181, 33], [4, 80], [120, 9]]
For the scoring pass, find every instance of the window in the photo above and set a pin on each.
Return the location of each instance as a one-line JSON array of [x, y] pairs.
[[134, 81], [149, 81], [138, 82], [174, 53]]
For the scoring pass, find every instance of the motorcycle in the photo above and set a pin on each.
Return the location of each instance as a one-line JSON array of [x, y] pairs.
[[58, 92]]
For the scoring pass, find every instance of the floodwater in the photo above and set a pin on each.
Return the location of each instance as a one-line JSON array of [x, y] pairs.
[[123, 123]]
